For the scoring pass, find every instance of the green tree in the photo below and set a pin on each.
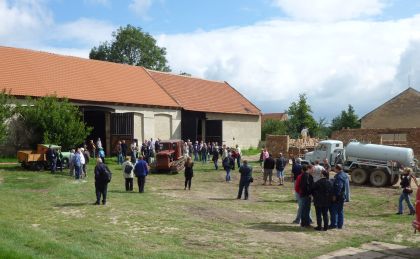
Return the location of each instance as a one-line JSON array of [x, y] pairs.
[[273, 127], [130, 45], [347, 119], [53, 120], [300, 116], [323, 130], [6, 112]]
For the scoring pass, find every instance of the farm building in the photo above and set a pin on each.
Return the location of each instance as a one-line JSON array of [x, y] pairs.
[[402, 111], [127, 102]]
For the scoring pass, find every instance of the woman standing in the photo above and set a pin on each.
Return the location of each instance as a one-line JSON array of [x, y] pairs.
[[127, 168], [189, 173], [405, 183]]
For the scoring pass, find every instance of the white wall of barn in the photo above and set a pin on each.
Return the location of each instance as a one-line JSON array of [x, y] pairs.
[[244, 130]]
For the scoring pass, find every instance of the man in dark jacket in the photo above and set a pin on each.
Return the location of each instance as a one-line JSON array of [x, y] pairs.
[[338, 198], [227, 165], [296, 169], [215, 157], [102, 178], [281, 163], [141, 170], [123, 150], [322, 193], [246, 174], [306, 184], [52, 158], [269, 164]]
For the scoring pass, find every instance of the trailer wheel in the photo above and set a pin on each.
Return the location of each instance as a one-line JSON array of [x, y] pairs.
[[37, 166], [379, 178], [359, 176]]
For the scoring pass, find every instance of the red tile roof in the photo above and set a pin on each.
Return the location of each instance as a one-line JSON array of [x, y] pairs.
[[33, 73], [280, 116], [196, 94]]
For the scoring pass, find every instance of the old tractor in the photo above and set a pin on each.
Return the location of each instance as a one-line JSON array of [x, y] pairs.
[[37, 159], [169, 157]]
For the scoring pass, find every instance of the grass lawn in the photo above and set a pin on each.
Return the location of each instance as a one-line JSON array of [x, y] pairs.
[[51, 216]]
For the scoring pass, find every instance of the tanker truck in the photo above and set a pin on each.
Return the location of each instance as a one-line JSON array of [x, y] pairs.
[[377, 164]]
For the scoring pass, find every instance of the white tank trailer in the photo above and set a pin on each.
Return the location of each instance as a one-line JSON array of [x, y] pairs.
[[379, 165], [355, 150]]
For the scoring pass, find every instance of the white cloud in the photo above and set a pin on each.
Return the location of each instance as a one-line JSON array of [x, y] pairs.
[[140, 7], [30, 24], [330, 10], [348, 62]]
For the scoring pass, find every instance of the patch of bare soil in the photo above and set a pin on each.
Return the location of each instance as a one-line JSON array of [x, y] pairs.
[[71, 212]]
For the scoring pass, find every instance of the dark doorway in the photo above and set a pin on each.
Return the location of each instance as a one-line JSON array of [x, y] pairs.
[[96, 120], [214, 131], [191, 124]]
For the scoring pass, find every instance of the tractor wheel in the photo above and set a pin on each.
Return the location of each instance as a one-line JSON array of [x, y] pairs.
[[37, 166], [379, 178], [359, 176]]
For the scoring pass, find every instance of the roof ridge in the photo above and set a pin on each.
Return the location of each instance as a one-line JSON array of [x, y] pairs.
[[163, 88], [390, 100], [190, 77], [243, 96], [69, 56]]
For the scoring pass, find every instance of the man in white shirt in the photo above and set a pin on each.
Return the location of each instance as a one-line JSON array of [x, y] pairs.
[[317, 171]]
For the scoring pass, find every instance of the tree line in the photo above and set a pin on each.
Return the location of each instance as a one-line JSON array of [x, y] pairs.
[[300, 116]]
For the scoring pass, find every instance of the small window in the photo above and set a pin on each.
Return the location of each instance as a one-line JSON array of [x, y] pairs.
[[337, 145], [397, 137]]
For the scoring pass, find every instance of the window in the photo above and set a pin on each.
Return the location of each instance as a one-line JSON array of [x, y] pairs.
[[122, 123], [394, 139]]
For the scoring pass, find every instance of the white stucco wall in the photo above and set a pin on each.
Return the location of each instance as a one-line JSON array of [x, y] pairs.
[[244, 130], [144, 120]]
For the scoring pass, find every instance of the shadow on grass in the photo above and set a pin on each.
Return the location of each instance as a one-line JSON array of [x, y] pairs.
[[222, 199], [72, 204], [279, 201], [278, 227], [123, 191]]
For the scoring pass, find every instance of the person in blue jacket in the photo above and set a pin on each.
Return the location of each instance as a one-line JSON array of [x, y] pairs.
[[141, 170], [340, 185]]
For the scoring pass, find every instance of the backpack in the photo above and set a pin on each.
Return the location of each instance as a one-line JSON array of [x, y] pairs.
[[128, 168], [108, 174]]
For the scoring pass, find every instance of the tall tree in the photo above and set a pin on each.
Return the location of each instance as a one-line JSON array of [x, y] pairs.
[[274, 127], [130, 45], [54, 121], [6, 112], [347, 119], [300, 116]]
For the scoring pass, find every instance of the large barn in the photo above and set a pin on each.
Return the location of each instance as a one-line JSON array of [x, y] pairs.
[[127, 102]]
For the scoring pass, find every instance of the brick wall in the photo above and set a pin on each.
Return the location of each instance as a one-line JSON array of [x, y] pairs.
[[277, 143], [374, 136]]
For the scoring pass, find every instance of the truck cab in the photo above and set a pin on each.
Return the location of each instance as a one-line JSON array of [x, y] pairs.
[[333, 150]]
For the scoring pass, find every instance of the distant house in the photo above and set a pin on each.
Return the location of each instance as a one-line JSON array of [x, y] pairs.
[[402, 111], [279, 116], [127, 102]]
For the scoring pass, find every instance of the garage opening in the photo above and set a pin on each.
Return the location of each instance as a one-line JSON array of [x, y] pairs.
[[191, 126], [96, 120], [214, 130]]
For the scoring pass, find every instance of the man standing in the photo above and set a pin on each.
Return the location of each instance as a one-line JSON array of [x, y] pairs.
[[119, 153], [123, 150], [52, 159], [239, 155], [269, 164], [317, 169], [215, 157], [280, 165], [246, 175], [77, 164], [141, 170], [102, 178], [338, 198], [306, 183], [82, 163], [227, 165]]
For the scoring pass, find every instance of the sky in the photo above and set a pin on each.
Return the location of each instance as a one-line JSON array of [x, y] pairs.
[[337, 52]]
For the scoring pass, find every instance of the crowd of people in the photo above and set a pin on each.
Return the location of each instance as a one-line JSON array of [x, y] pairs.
[[312, 182]]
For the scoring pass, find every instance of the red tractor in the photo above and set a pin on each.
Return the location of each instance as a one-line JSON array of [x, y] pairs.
[[169, 157]]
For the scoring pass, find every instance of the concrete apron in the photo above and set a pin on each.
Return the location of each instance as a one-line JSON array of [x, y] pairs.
[[375, 250]]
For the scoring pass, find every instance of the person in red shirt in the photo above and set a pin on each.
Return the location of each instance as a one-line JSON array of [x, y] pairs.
[[297, 194]]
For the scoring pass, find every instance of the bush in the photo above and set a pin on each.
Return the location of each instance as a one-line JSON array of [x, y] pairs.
[[273, 127], [54, 121]]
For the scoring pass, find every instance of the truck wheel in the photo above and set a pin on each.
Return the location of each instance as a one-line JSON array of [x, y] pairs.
[[65, 163], [37, 166], [379, 178], [359, 176]]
